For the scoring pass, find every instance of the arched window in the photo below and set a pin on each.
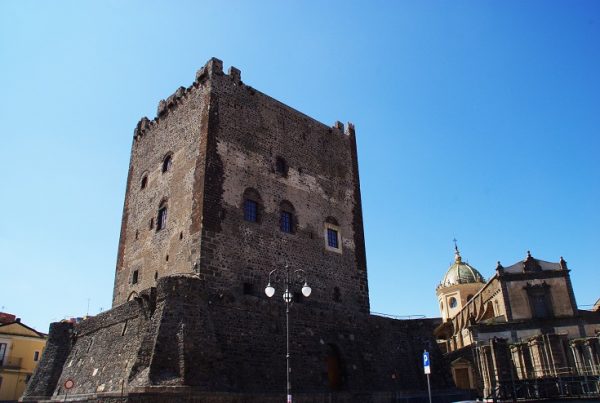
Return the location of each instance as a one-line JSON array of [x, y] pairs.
[[252, 205], [281, 166], [287, 219], [144, 182], [167, 163], [161, 219]]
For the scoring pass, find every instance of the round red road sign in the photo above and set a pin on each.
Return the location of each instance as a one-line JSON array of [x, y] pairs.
[[69, 384]]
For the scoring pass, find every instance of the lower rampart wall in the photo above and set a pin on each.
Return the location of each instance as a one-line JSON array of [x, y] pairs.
[[181, 343]]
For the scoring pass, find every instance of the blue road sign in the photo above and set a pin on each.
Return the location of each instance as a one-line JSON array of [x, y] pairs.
[[426, 363]]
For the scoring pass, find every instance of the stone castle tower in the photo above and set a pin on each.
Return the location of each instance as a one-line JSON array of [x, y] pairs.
[[226, 184], [212, 177]]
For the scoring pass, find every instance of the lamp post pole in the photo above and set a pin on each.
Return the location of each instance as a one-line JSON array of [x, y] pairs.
[[287, 297]]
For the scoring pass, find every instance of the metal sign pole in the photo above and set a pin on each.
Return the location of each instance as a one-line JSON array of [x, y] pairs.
[[429, 388], [427, 370]]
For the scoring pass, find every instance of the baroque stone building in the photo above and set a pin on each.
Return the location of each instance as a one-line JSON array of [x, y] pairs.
[[520, 334], [225, 185]]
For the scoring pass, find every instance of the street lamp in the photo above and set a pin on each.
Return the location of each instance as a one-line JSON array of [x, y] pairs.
[[288, 280]]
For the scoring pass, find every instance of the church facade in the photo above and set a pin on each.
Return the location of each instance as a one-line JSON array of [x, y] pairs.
[[226, 185], [520, 334]]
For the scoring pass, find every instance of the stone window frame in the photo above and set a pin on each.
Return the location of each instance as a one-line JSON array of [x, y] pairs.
[[332, 224], [167, 162], [36, 355]]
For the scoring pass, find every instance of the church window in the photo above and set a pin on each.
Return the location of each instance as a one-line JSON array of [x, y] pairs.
[[167, 163], [134, 277], [281, 166], [539, 300], [161, 220], [452, 302]]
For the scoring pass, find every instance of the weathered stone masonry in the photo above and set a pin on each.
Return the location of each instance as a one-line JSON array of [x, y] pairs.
[[190, 321]]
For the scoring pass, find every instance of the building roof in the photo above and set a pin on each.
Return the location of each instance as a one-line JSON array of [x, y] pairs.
[[460, 272], [20, 329], [532, 264]]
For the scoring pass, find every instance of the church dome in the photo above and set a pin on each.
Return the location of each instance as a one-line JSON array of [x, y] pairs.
[[461, 273]]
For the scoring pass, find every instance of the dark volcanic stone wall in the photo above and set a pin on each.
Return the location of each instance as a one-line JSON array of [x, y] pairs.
[[48, 371], [197, 326], [248, 132], [225, 138], [184, 339], [179, 130]]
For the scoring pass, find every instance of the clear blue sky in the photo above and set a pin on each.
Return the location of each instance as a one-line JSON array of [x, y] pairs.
[[475, 119]]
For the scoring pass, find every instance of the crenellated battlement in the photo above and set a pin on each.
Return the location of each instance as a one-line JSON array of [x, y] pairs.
[[213, 67]]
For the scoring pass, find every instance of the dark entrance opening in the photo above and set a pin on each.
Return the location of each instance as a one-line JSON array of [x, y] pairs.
[[335, 369]]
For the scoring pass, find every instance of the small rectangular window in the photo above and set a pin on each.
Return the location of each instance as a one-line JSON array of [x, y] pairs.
[[36, 356], [286, 221], [332, 238], [250, 210], [134, 277], [248, 289]]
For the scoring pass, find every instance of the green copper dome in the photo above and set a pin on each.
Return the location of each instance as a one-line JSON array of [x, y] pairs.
[[461, 273]]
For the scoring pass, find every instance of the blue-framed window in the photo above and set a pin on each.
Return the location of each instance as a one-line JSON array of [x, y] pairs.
[[250, 207], [286, 222], [332, 238]]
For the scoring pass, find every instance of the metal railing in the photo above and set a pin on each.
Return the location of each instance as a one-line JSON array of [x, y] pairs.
[[403, 317]]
